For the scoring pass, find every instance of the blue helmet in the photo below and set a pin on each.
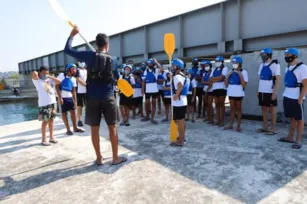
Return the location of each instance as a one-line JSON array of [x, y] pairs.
[[293, 51], [237, 59], [150, 61], [137, 69], [70, 66], [194, 60], [203, 62], [219, 59], [123, 66], [266, 51], [178, 63]]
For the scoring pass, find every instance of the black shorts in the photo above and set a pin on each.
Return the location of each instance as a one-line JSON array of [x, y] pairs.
[[179, 112], [167, 101], [235, 98], [95, 109], [138, 101], [292, 109], [265, 99], [125, 101], [68, 105], [151, 95], [208, 93], [190, 97], [219, 92], [161, 93], [81, 99]]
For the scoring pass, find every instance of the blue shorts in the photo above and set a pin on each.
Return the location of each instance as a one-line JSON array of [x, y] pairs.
[[68, 105]]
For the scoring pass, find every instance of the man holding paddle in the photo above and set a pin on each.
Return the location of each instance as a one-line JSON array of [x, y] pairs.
[[100, 91]]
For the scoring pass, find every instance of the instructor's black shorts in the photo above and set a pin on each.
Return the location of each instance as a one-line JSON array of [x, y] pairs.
[[95, 109], [81, 99], [235, 98], [265, 99], [151, 95], [292, 109], [219, 92], [125, 101], [161, 93], [179, 112], [138, 101]]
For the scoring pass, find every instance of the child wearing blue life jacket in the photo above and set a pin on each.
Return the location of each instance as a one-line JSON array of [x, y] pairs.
[[217, 78], [138, 94], [269, 81], [124, 101], [207, 91], [294, 95], [191, 97], [167, 96], [160, 81], [68, 97], [236, 81]]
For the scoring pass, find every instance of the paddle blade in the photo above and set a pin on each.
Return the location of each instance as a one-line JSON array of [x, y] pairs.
[[125, 87], [58, 10], [169, 44], [173, 132]]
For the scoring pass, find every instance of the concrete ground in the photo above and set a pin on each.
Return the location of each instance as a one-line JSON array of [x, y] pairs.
[[215, 166]]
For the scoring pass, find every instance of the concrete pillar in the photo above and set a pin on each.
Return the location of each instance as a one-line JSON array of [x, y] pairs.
[[146, 43], [180, 38]]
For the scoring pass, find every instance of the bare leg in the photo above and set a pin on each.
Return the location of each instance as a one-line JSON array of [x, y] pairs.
[[167, 111], [153, 109], [210, 109], [232, 114], [217, 109], [44, 126], [239, 114], [73, 119], [293, 125], [79, 113], [96, 143], [300, 130], [51, 127], [222, 110], [273, 116], [114, 142], [133, 112], [122, 112], [65, 120], [181, 130], [141, 110], [127, 113], [147, 108], [159, 104], [205, 102], [265, 117], [200, 101]]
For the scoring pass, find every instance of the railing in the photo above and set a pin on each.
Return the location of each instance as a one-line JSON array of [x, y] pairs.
[[19, 84]]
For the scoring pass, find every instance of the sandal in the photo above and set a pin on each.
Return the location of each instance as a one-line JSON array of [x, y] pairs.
[[145, 120], [284, 139], [122, 123], [79, 130], [270, 133], [54, 141], [175, 144], [45, 144], [69, 133], [228, 128], [261, 131], [154, 122], [296, 145], [127, 124], [123, 159]]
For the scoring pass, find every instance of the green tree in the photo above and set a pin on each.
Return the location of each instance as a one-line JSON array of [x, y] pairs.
[[15, 76]]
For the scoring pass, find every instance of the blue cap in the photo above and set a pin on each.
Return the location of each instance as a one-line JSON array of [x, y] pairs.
[[219, 58], [266, 51], [123, 66], [194, 60], [150, 61], [178, 63], [70, 66], [293, 51], [237, 59]]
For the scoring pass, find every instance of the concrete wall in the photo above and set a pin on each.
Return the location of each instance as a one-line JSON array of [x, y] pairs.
[[251, 64]]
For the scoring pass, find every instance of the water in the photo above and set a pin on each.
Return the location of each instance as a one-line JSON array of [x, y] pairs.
[[18, 111]]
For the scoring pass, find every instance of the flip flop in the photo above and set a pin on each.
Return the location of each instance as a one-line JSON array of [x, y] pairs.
[[145, 120], [127, 124], [174, 144], [261, 131], [154, 122], [98, 164], [45, 144], [122, 124], [123, 159], [296, 145], [54, 141], [270, 133], [79, 130], [284, 139], [193, 121], [69, 133]]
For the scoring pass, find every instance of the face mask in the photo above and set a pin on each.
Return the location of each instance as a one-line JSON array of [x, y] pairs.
[[43, 76], [207, 68], [264, 58], [235, 66], [289, 59], [127, 72], [218, 64]]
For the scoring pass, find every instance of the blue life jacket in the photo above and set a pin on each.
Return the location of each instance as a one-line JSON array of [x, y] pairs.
[[266, 73], [160, 77], [167, 92], [185, 88], [150, 77], [138, 83], [190, 87], [218, 72], [206, 76], [234, 79], [66, 84], [290, 78], [193, 71]]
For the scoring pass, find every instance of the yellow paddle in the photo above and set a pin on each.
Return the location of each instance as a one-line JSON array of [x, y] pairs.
[[123, 85], [169, 47]]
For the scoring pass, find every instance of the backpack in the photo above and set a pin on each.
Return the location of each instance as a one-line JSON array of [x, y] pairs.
[[102, 70]]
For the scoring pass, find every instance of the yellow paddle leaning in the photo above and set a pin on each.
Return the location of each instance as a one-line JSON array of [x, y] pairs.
[[123, 85], [169, 47]]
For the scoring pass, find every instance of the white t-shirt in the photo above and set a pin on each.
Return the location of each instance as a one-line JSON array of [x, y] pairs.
[[46, 91], [301, 74], [237, 90], [193, 84], [160, 86], [219, 85], [67, 94], [266, 86], [151, 87], [182, 101], [83, 77]]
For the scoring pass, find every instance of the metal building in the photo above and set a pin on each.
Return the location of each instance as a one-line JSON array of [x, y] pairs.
[[223, 28]]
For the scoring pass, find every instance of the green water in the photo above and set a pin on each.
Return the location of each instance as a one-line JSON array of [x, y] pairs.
[[18, 111]]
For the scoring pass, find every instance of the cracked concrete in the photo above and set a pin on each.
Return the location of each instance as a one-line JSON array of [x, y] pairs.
[[215, 166]]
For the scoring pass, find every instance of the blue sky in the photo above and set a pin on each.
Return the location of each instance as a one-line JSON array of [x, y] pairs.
[[30, 28]]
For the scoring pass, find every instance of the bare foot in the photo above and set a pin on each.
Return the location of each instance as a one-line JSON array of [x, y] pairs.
[[221, 125], [239, 129], [99, 161], [228, 128]]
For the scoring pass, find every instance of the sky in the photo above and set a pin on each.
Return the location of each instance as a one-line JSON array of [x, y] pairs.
[[31, 29]]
